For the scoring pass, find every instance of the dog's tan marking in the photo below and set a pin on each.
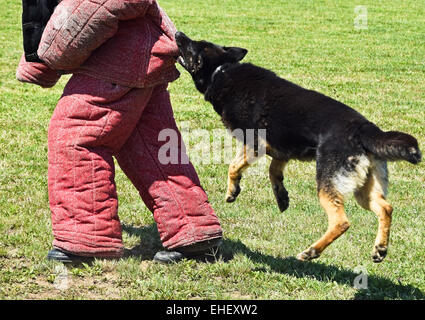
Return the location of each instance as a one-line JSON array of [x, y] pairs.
[[244, 158], [346, 182], [337, 225], [372, 197]]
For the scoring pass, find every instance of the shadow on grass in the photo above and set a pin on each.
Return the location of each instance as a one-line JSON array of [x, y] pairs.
[[149, 241], [378, 287]]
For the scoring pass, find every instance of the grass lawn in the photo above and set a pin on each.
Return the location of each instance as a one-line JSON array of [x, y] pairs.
[[380, 71]]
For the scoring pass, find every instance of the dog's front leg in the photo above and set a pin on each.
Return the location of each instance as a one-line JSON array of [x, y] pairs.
[[245, 157], [276, 178]]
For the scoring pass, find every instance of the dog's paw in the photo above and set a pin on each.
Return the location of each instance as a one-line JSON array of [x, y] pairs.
[[282, 198], [379, 253], [231, 195], [308, 255]]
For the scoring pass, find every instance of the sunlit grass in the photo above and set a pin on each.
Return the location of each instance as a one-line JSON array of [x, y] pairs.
[[379, 71]]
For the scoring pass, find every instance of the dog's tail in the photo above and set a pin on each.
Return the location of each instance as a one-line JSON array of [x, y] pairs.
[[390, 145]]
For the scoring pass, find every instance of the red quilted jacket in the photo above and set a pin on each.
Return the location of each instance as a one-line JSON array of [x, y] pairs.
[[128, 42]]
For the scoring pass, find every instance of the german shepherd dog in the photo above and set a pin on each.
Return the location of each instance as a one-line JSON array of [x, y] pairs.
[[351, 153]]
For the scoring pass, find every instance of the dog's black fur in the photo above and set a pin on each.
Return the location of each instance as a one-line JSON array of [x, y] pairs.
[[300, 124], [35, 16]]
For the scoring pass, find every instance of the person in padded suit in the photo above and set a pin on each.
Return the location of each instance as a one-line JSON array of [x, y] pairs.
[[122, 55]]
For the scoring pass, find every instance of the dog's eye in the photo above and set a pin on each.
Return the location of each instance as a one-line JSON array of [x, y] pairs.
[[199, 64]]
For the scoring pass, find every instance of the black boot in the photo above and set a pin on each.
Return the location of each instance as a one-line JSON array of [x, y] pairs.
[[65, 257], [201, 250]]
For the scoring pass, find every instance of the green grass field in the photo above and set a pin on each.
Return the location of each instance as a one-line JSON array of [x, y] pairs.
[[380, 71]]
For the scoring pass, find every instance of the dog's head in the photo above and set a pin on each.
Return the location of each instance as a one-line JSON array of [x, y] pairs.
[[202, 58]]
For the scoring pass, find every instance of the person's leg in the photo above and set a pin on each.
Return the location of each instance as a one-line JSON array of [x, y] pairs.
[[92, 120], [172, 192]]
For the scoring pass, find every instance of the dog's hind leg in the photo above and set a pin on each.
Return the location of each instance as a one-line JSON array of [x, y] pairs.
[[371, 197], [276, 178], [244, 158], [333, 204]]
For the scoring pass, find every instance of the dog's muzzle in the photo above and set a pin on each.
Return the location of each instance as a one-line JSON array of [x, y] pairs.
[[182, 62]]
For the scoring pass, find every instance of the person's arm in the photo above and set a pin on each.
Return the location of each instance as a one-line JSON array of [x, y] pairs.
[[36, 73], [78, 27]]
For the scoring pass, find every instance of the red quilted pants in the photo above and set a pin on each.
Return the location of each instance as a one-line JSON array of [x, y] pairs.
[[94, 121]]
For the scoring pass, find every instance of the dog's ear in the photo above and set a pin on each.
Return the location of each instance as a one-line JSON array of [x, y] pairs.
[[236, 53]]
